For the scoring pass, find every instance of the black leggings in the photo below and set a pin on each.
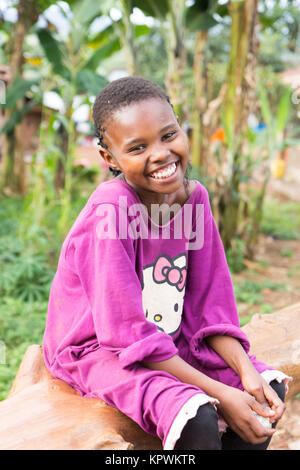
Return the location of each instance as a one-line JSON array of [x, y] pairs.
[[202, 433]]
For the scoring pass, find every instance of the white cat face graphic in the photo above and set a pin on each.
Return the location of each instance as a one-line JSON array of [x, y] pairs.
[[163, 292]]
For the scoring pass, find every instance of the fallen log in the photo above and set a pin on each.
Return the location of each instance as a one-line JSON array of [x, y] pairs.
[[43, 413], [275, 340]]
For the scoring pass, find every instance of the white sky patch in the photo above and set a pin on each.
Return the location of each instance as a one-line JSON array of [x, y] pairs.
[[57, 17], [99, 24], [115, 14], [9, 13], [54, 101], [81, 114], [138, 17]]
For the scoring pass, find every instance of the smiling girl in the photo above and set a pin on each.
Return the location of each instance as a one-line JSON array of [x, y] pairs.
[[145, 321]]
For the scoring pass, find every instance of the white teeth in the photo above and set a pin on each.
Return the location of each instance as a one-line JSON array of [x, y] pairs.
[[165, 173]]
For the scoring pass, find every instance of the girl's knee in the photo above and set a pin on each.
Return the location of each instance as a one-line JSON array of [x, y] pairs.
[[201, 432], [279, 388]]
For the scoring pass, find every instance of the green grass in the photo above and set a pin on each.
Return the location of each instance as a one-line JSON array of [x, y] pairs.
[[250, 292], [293, 271], [27, 266], [245, 319], [286, 253], [22, 324], [281, 220], [25, 278], [266, 308]]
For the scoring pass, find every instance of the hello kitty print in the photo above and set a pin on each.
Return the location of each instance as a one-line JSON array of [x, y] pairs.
[[163, 292]]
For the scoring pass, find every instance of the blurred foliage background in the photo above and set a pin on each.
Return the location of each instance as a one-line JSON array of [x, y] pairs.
[[230, 70]]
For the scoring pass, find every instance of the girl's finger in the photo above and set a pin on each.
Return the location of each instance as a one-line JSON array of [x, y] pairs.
[[252, 433], [277, 404], [262, 410], [260, 397], [259, 430]]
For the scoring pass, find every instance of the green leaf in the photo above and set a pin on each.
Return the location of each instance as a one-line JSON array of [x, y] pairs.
[[222, 10], [85, 11], [17, 91], [141, 29], [104, 35], [267, 21], [265, 106], [89, 81], [228, 130], [283, 112], [16, 117], [107, 50], [53, 52], [157, 9], [202, 21], [66, 124]]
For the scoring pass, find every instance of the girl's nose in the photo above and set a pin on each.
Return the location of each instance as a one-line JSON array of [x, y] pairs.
[[159, 153]]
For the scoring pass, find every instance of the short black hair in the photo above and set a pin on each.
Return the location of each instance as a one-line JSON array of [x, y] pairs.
[[118, 94]]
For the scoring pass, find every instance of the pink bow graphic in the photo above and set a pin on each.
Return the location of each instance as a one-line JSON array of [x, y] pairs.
[[165, 271]]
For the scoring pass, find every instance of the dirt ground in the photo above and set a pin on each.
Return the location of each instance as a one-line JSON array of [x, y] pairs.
[[287, 436]]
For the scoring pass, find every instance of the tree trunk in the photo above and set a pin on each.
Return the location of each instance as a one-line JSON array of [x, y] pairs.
[[8, 176], [59, 177], [13, 179], [199, 144], [244, 19], [176, 58], [129, 41]]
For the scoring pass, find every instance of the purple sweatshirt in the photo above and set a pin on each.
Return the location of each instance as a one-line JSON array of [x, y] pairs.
[[127, 290]]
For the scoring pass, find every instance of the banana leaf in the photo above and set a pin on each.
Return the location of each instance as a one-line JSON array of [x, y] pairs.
[[17, 91], [17, 117], [283, 112], [53, 52], [88, 81], [103, 53]]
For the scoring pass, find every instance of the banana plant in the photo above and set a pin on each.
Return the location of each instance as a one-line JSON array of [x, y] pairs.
[[275, 124], [73, 64], [16, 92], [271, 139], [199, 18], [179, 21], [170, 15]]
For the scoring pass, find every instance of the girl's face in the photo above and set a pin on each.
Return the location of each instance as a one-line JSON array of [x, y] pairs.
[[147, 144]]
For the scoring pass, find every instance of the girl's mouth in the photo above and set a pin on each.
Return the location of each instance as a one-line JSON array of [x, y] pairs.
[[166, 174]]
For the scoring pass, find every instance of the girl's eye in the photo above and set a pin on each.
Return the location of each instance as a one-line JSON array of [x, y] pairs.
[[169, 135], [137, 148]]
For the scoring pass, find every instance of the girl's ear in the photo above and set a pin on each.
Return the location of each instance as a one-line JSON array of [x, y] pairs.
[[107, 157]]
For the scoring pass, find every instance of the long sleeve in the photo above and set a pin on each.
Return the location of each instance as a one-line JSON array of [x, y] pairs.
[[210, 301], [105, 263]]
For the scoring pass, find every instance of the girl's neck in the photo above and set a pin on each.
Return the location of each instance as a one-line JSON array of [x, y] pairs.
[[180, 197]]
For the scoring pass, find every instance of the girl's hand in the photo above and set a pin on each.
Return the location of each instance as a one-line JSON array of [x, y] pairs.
[[256, 386], [237, 408]]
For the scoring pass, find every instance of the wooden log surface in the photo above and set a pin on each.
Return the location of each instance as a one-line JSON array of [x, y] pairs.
[[275, 340], [43, 413]]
